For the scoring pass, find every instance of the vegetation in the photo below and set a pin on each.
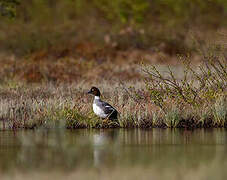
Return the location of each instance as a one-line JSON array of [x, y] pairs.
[[202, 87], [53, 51], [198, 99], [123, 24], [8, 7]]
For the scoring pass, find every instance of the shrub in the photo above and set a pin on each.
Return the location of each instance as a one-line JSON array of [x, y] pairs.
[[201, 87]]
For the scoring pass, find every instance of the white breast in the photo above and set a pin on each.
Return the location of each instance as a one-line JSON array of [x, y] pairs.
[[98, 111]]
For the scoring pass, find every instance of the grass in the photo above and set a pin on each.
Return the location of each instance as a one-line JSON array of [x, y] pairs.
[[197, 99], [48, 60]]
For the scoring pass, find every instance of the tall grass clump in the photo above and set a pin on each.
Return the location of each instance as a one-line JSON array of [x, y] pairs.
[[199, 96]]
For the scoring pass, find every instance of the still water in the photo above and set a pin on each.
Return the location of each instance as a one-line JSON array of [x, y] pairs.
[[66, 150]]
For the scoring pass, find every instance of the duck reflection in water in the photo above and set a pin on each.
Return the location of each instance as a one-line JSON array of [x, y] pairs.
[[103, 147]]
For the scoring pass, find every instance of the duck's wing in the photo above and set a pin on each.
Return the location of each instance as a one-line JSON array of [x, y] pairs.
[[107, 108]]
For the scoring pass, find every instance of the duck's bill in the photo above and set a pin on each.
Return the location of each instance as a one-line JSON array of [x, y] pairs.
[[89, 92]]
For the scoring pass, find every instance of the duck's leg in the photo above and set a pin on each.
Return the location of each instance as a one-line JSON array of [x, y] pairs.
[[105, 120], [110, 115]]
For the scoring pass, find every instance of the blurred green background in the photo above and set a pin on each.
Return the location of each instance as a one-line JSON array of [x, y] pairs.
[[27, 26]]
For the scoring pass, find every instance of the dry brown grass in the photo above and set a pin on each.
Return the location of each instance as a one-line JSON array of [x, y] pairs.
[[68, 105], [84, 62], [47, 88]]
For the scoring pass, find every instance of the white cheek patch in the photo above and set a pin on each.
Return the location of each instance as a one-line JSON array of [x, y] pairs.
[[98, 111]]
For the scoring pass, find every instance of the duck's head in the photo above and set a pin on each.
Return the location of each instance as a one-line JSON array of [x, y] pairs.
[[95, 91]]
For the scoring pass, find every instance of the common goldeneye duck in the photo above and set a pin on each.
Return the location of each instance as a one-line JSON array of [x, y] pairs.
[[101, 108]]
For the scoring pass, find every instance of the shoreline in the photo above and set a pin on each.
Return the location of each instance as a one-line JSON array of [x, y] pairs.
[[68, 106]]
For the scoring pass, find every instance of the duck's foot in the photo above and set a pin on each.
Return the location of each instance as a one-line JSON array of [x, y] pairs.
[[105, 121]]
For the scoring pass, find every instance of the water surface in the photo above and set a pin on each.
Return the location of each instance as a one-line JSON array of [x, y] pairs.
[[67, 150]]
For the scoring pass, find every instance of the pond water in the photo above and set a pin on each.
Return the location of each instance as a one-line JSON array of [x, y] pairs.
[[162, 151]]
